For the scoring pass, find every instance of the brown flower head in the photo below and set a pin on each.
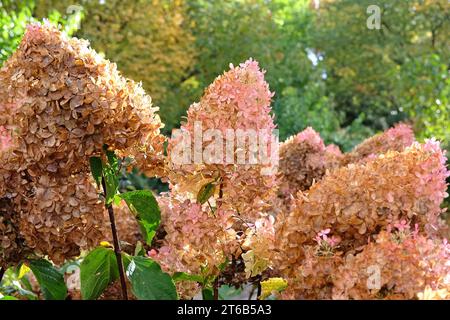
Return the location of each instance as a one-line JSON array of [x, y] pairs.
[[359, 200], [65, 102]]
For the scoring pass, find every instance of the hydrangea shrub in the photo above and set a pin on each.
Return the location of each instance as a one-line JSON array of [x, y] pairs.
[[325, 225]]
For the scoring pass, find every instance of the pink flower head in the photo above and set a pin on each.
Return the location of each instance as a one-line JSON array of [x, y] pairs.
[[333, 149], [35, 32], [402, 226], [311, 136], [153, 253], [234, 108], [401, 132], [323, 238]]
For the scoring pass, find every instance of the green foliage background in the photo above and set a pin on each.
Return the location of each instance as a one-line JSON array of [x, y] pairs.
[[327, 68]]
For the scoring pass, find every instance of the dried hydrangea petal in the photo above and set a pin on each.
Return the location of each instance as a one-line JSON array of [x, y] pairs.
[[68, 102]]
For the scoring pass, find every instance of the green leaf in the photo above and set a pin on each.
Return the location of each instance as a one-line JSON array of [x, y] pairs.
[[96, 170], [51, 280], [23, 270], [126, 259], [183, 276], [113, 161], [144, 205], [206, 192], [117, 199], [112, 185], [97, 271], [149, 282], [139, 250], [111, 176], [208, 294], [229, 292], [8, 298]]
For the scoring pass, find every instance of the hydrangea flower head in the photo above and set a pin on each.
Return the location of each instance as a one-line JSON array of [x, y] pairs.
[[238, 102]]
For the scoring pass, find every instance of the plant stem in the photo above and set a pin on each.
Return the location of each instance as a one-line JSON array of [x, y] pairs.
[[251, 293], [258, 294], [117, 249], [2, 272], [221, 191], [216, 282], [216, 288]]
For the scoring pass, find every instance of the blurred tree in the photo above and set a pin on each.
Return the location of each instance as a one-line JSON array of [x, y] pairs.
[[391, 73], [298, 108], [276, 34], [15, 15], [423, 90], [232, 31], [148, 39]]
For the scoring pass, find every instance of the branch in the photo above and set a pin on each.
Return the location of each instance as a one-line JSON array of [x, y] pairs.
[[216, 288], [117, 250], [2, 273], [258, 294], [216, 282]]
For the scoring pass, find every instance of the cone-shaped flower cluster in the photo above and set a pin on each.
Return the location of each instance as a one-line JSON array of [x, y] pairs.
[[65, 102], [231, 127], [234, 116], [61, 103]]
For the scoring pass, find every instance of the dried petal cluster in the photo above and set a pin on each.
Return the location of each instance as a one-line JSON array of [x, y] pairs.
[[11, 242], [5, 139], [238, 102], [394, 139], [61, 103], [359, 200], [303, 160], [314, 277], [258, 238], [128, 229], [62, 217], [197, 240], [406, 265], [69, 102], [13, 247]]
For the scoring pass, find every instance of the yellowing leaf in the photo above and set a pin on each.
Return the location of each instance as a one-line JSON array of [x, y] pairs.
[[106, 244], [254, 265], [272, 285], [24, 269]]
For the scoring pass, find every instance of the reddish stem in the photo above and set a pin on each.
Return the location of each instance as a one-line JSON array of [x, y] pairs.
[[117, 249]]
